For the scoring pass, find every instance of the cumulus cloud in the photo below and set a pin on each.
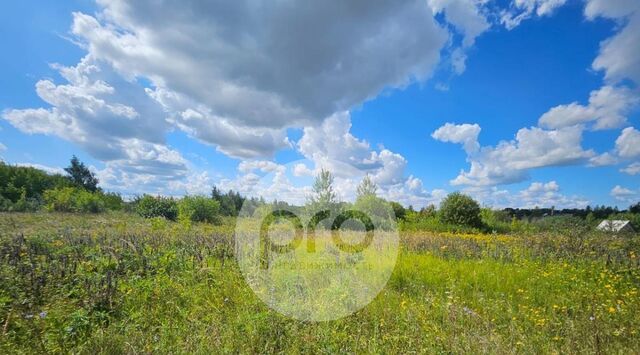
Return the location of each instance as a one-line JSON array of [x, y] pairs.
[[238, 75], [628, 143], [619, 55], [468, 18], [538, 194], [608, 108], [521, 10], [510, 161], [632, 169], [124, 127], [465, 134], [268, 66], [623, 194], [603, 159]]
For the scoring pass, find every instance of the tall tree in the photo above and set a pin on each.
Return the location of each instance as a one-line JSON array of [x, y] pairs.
[[323, 193], [81, 176], [367, 187]]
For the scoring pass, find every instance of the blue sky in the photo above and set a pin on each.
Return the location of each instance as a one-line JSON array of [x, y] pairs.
[[156, 108]]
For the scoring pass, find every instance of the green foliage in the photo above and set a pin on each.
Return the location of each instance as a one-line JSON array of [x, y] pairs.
[[460, 209], [496, 221], [25, 183], [398, 210], [230, 202], [323, 194], [112, 201], [198, 209], [366, 188], [323, 198], [73, 199], [118, 283], [377, 209], [81, 176], [149, 206], [634, 218]]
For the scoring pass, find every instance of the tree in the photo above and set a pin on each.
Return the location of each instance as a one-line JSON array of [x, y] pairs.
[[398, 210], [230, 203], [635, 208], [460, 209], [323, 200], [323, 194], [81, 176], [366, 188]]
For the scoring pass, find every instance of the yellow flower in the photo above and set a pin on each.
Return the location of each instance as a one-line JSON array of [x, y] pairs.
[[612, 310]]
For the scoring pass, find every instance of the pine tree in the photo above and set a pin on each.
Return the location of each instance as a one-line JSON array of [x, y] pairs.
[[81, 176]]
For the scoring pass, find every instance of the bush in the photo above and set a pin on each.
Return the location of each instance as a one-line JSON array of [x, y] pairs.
[[112, 201], [460, 209], [198, 209], [73, 199], [149, 206]]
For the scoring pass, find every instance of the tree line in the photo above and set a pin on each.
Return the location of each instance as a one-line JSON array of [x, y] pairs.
[[26, 189]]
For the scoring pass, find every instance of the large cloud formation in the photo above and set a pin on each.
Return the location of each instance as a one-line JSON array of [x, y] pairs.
[[236, 75]]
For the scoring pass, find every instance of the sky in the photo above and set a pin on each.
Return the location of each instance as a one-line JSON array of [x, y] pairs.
[[524, 103]]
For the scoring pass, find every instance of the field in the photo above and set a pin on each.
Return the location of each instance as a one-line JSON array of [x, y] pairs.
[[117, 283]]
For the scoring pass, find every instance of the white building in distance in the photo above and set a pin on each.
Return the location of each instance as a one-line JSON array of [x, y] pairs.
[[609, 225]]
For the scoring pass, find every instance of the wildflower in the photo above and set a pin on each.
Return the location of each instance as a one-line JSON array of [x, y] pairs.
[[592, 318], [612, 310], [42, 314]]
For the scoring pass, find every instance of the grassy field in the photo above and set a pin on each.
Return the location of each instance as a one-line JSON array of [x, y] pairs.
[[116, 283]]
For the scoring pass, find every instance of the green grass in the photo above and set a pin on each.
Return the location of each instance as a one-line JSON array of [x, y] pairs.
[[116, 283]]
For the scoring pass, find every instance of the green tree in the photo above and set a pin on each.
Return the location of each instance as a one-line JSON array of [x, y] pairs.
[[322, 199], [398, 210], [460, 209], [323, 194], [198, 209], [366, 188], [81, 176]]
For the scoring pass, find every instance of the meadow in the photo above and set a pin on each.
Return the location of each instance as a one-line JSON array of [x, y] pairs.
[[118, 283]]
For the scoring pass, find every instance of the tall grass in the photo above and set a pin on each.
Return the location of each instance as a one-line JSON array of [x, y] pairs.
[[116, 283]]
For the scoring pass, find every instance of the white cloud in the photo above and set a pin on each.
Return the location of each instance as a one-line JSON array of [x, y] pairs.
[[628, 143], [537, 194], [632, 169], [123, 127], [2, 147], [623, 194], [274, 67], [468, 18], [510, 161], [264, 166], [618, 56], [603, 159], [45, 168], [607, 108], [332, 146], [465, 134], [521, 10], [231, 139]]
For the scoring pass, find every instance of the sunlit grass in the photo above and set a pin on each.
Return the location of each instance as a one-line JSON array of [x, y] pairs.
[[118, 283]]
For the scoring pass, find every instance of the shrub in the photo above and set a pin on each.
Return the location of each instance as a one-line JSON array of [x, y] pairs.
[[112, 201], [198, 209], [460, 209], [73, 199], [149, 206]]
